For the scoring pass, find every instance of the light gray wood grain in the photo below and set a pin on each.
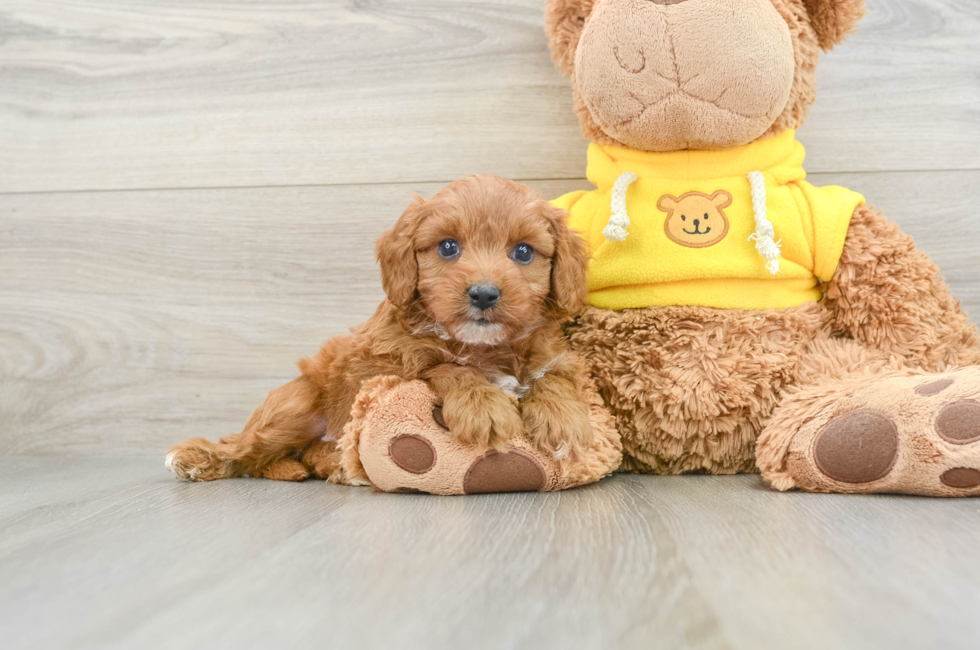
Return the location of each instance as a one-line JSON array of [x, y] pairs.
[[100, 95], [132, 320], [123, 556], [901, 94]]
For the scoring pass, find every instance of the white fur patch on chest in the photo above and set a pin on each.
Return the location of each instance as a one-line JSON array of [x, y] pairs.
[[512, 385]]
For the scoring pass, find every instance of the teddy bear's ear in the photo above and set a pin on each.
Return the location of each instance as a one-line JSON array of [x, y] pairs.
[[564, 21], [721, 199], [667, 203], [833, 20]]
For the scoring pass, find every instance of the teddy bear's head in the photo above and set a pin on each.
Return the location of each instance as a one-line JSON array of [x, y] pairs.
[[666, 75]]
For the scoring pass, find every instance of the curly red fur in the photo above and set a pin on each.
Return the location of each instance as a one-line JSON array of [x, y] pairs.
[[427, 329]]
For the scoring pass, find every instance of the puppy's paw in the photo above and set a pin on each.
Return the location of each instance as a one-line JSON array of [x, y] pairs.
[[286, 469], [322, 458], [485, 417], [198, 460], [560, 426]]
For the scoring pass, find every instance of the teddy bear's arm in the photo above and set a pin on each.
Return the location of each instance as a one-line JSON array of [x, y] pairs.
[[889, 295]]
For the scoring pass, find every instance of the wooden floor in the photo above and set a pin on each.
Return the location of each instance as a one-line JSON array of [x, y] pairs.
[[110, 553], [189, 194]]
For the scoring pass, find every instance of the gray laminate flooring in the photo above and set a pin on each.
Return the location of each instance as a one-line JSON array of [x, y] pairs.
[[115, 553]]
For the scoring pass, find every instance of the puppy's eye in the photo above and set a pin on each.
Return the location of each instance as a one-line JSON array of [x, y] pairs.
[[683, 218], [523, 254], [448, 249], [706, 216]]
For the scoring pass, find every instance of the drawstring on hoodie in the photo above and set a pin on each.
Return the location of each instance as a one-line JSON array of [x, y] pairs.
[[764, 234], [619, 221], [617, 229]]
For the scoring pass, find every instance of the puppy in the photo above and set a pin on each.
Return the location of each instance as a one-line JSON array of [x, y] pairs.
[[478, 280]]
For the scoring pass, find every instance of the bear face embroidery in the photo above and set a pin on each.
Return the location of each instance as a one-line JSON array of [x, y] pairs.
[[696, 220]]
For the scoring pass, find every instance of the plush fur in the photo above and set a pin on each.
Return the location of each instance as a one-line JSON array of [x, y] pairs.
[[428, 329], [925, 462], [813, 24], [725, 391], [692, 388]]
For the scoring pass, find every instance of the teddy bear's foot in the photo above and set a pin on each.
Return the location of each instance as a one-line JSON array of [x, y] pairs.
[[913, 434], [398, 441]]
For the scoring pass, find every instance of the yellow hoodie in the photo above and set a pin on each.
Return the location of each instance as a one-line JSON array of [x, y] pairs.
[[729, 229]]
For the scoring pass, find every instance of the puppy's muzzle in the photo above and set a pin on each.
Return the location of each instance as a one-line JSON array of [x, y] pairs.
[[484, 295]]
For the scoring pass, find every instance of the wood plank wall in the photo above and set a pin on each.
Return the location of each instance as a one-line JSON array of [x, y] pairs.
[[189, 192]]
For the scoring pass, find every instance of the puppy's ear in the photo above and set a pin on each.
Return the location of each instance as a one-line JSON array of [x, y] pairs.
[[395, 250], [564, 21], [568, 264], [833, 20]]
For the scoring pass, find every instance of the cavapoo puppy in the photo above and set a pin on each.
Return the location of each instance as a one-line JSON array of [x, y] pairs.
[[479, 279]]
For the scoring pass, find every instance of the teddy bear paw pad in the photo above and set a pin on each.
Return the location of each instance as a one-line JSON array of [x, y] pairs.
[[961, 477], [412, 453], [439, 418], [514, 471], [859, 447], [934, 387], [959, 423]]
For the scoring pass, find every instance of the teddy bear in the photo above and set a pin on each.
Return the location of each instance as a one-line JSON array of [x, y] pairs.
[[740, 319]]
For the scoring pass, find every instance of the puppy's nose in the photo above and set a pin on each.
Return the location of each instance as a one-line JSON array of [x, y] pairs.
[[697, 224], [484, 295]]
